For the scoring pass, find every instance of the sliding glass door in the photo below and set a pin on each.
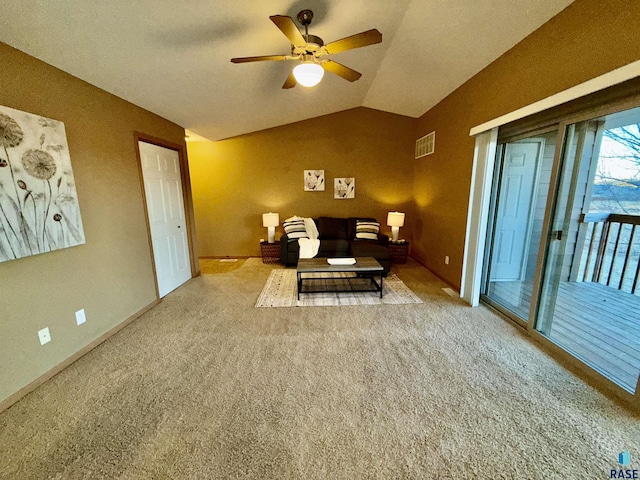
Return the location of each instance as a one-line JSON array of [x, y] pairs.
[[563, 240], [590, 296], [521, 183]]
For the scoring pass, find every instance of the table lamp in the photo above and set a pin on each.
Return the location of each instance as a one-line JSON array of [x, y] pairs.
[[395, 220], [271, 221]]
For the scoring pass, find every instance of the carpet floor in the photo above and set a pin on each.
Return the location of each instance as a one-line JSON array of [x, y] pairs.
[[206, 386]]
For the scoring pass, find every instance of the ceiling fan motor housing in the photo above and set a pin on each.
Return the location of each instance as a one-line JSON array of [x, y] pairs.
[[313, 43]]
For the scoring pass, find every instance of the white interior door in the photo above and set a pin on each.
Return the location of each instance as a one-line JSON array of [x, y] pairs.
[[163, 190], [514, 215]]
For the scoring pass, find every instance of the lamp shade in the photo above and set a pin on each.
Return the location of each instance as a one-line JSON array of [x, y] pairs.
[[270, 219], [308, 74], [395, 219]]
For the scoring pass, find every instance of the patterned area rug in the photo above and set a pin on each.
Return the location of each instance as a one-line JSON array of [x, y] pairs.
[[281, 290]]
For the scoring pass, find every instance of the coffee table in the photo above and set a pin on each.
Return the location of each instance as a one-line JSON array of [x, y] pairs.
[[364, 268]]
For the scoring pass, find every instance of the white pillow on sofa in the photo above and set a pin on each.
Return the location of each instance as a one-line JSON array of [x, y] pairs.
[[367, 230], [295, 228]]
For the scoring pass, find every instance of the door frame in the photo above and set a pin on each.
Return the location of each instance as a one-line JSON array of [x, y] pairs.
[[187, 200]]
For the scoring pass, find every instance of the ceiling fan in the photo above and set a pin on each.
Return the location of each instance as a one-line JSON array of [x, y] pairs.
[[310, 49]]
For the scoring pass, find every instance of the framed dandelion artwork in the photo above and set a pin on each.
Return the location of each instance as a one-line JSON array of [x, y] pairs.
[[314, 180], [344, 188], [39, 209]]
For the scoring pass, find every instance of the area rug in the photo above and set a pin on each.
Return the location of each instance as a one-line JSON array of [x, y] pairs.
[[281, 290]]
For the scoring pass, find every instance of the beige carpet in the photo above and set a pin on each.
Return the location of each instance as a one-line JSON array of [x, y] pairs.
[[205, 386], [281, 290]]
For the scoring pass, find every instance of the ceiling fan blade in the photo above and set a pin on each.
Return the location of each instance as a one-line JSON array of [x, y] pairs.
[[290, 82], [340, 70], [288, 27], [258, 59], [358, 40]]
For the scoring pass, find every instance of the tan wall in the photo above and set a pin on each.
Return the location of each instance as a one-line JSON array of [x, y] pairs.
[[587, 39], [235, 181], [111, 276]]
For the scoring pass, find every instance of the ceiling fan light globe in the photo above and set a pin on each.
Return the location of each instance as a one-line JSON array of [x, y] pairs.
[[308, 74]]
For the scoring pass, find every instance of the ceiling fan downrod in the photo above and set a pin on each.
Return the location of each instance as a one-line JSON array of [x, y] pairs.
[[313, 42]]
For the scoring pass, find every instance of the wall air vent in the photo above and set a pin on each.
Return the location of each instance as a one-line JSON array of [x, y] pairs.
[[426, 145]]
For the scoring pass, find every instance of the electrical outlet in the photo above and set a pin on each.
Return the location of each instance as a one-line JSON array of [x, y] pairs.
[[44, 335], [80, 317], [446, 259]]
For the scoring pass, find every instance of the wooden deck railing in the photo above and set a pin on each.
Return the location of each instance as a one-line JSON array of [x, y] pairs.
[[611, 250]]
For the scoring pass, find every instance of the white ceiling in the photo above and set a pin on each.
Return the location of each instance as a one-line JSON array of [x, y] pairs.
[[172, 57]]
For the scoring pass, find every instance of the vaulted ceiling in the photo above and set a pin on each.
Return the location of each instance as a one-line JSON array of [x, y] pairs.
[[173, 58]]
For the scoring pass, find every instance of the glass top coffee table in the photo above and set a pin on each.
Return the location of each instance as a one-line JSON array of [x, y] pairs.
[[365, 270]]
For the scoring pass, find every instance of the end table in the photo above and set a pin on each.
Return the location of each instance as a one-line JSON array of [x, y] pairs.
[[399, 251], [270, 252]]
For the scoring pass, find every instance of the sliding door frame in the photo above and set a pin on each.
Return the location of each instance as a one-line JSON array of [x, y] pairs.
[[592, 114], [492, 219], [477, 227]]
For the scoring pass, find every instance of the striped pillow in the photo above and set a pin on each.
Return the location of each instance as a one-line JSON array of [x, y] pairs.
[[367, 230], [294, 228]]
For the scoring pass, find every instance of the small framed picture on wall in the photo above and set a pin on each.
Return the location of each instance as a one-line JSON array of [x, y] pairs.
[[314, 180], [344, 188]]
